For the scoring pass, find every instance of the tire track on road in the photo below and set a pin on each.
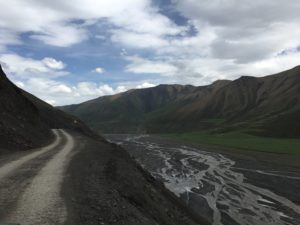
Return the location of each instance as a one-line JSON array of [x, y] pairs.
[[12, 166], [41, 202], [15, 182]]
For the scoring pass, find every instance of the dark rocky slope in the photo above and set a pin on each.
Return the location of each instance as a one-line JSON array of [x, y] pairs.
[[20, 123], [25, 121], [117, 190]]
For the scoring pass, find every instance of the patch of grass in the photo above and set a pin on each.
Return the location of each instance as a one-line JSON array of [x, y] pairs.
[[240, 140], [215, 121]]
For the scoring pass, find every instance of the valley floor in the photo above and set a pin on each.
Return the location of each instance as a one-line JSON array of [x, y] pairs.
[[241, 141], [226, 186]]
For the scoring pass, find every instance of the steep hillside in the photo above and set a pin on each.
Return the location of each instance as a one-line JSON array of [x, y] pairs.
[[126, 112], [25, 121], [20, 125], [130, 111], [267, 105], [56, 118]]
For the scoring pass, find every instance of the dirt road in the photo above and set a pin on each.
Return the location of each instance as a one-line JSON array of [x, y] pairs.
[[84, 181], [15, 164], [36, 195]]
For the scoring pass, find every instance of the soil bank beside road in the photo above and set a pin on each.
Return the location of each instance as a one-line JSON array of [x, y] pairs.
[[103, 185]]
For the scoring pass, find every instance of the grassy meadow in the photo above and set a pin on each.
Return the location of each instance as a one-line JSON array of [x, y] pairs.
[[241, 141]]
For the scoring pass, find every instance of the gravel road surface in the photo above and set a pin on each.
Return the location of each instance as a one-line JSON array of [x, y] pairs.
[[84, 181]]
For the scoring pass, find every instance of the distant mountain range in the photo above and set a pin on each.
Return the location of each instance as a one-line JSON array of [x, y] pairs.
[[267, 105], [25, 121]]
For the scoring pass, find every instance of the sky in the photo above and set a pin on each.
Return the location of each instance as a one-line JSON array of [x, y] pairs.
[[67, 52]]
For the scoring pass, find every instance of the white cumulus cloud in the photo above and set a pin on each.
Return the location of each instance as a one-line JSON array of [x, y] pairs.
[[218, 40], [53, 63], [23, 66], [141, 65], [145, 85], [99, 70]]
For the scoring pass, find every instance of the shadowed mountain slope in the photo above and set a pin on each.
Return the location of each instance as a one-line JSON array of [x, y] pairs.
[[267, 105], [25, 121], [126, 112]]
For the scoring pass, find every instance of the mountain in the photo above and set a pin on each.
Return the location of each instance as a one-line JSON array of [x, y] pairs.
[[126, 112], [25, 121], [267, 105]]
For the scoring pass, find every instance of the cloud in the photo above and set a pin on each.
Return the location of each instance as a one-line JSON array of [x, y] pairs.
[[51, 102], [61, 35], [47, 22], [250, 14], [138, 40], [8, 37], [66, 23], [20, 84], [121, 88], [145, 85], [53, 63], [231, 39], [92, 89], [245, 32], [99, 70], [145, 27], [216, 40], [60, 93], [140, 65], [39, 85], [60, 88], [24, 67]]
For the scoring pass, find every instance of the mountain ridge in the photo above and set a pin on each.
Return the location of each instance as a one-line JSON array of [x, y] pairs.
[[252, 103]]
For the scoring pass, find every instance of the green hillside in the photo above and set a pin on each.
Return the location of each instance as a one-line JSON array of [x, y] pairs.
[[268, 106]]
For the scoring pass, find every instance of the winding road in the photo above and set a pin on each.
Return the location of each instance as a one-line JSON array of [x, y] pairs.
[[30, 185]]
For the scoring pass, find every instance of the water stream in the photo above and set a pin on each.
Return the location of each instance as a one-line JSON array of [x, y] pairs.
[[211, 184]]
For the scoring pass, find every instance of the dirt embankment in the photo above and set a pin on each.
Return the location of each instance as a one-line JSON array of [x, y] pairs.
[[105, 186]]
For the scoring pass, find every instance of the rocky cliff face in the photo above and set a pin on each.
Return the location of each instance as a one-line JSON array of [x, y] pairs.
[[20, 123], [26, 121]]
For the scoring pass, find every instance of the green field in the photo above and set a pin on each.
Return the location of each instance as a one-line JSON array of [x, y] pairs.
[[241, 141]]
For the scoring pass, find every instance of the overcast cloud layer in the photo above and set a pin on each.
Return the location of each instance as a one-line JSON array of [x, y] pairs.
[[71, 51]]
